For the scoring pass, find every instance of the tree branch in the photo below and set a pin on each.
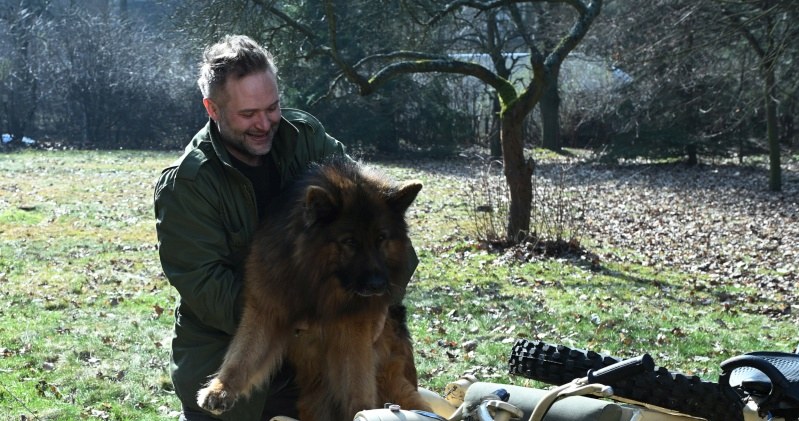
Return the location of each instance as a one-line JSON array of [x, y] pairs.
[[488, 5], [503, 87], [577, 32], [542, 67], [303, 29]]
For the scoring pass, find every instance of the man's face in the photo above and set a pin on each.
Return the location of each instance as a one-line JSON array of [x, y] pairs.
[[247, 113]]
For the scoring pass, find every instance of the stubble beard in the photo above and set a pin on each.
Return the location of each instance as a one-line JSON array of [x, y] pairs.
[[238, 141]]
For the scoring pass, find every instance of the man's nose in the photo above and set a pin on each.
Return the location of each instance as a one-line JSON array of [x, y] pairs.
[[263, 122]]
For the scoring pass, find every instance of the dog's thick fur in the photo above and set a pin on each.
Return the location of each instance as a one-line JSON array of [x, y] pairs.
[[322, 273]]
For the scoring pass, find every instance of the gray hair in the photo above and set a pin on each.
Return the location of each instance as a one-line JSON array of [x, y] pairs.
[[233, 56]]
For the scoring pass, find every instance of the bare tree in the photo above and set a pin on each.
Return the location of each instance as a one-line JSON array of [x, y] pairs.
[[705, 70], [81, 74], [22, 24], [768, 28], [349, 46]]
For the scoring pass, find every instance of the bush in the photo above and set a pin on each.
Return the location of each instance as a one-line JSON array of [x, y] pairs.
[[557, 213]]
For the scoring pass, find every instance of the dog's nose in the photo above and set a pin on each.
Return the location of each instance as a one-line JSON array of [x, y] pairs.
[[373, 285]]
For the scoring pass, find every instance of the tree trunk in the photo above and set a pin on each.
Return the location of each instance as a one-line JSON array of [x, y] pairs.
[[518, 174], [693, 154], [494, 138], [775, 171], [550, 113]]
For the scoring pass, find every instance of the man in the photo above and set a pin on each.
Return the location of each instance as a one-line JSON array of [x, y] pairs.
[[208, 205]]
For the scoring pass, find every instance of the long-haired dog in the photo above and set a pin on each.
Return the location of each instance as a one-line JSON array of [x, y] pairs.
[[323, 273]]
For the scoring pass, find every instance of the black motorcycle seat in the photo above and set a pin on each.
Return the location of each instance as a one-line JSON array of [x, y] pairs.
[[768, 374]]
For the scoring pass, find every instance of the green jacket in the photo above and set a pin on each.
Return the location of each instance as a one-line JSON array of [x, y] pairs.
[[206, 215]]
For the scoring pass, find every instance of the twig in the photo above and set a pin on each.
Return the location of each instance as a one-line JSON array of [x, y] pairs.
[[20, 401]]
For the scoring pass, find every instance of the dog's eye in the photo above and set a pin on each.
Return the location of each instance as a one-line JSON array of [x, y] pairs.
[[348, 241], [383, 236]]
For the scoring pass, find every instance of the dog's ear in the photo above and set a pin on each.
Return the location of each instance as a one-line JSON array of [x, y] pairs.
[[319, 205], [401, 199]]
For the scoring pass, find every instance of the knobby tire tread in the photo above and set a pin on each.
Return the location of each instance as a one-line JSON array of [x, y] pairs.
[[690, 395]]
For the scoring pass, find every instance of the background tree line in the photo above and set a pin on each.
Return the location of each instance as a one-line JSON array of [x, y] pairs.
[[94, 74], [666, 78]]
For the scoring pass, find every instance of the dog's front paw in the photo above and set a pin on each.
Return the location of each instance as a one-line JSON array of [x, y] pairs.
[[215, 399]]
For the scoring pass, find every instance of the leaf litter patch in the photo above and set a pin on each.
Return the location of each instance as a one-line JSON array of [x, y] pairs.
[[717, 223]]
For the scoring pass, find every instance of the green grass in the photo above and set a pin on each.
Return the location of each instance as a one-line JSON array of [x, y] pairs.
[[81, 329], [86, 314]]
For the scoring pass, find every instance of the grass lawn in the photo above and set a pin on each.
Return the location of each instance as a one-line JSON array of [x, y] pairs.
[[86, 315]]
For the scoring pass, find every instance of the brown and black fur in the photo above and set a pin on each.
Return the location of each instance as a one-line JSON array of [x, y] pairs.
[[320, 285]]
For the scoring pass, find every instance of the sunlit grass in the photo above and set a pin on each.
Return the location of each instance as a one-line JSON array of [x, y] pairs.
[[86, 314]]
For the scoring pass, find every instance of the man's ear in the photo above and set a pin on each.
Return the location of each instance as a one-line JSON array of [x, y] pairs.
[[211, 108]]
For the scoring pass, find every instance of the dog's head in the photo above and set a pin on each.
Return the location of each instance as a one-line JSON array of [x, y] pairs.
[[360, 217]]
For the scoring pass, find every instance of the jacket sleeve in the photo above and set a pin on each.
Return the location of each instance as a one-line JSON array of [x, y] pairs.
[[310, 144], [321, 145], [333, 146], [197, 251]]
